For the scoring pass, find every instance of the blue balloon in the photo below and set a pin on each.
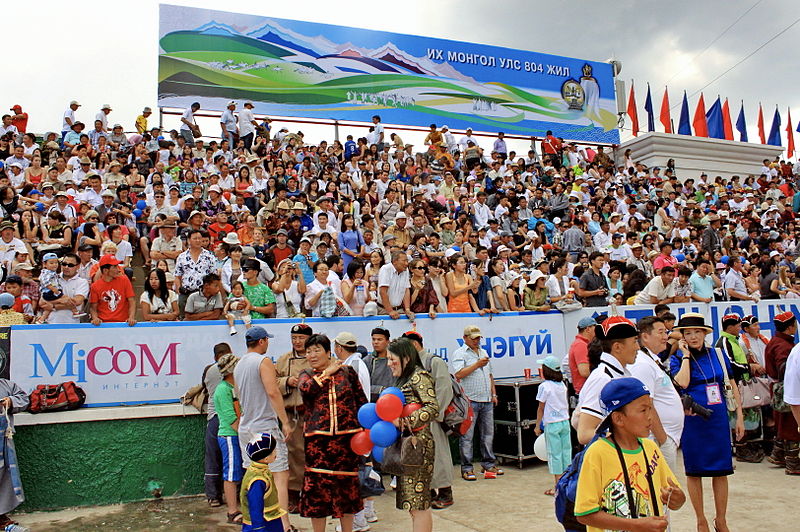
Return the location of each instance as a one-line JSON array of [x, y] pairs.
[[724, 260], [383, 434], [680, 257], [394, 390], [137, 213], [367, 415], [39, 206], [141, 204], [377, 453]]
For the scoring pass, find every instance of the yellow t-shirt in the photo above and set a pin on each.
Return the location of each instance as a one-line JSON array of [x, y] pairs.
[[601, 484], [141, 124]]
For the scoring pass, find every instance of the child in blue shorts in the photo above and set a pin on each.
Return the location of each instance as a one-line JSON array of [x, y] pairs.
[[227, 407], [554, 414]]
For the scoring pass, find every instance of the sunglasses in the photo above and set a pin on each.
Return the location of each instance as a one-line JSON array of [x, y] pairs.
[[418, 268], [69, 264]]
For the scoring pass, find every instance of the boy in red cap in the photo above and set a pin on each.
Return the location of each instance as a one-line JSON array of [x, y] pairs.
[[619, 337]]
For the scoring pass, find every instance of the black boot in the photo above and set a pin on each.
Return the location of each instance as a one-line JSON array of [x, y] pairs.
[[792, 457], [778, 456], [444, 499]]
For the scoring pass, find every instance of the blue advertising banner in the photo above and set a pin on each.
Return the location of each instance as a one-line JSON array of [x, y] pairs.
[[295, 68]]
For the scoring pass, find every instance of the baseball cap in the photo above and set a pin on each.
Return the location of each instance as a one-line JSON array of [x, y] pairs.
[[620, 392], [109, 260], [585, 322], [346, 339], [48, 256], [302, 328], [256, 333], [6, 300], [551, 362], [472, 331]]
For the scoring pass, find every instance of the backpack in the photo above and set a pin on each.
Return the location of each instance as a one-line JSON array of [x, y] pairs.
[[57, 397], [566, 488], [458, 415]]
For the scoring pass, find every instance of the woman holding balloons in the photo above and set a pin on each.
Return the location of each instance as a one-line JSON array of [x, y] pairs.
[[414, 491], [332, 396]]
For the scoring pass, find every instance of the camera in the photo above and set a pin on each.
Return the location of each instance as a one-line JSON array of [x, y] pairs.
[[690, 405]]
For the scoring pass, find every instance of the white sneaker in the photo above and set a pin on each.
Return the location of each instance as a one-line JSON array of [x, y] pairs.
[[233, 331], [360, 522], [371, 515], [393, 483]]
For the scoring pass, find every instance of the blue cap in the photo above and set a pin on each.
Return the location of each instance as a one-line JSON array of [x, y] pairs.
[[551, 362], [618, 393], [261, 446], [35, 191], [48, 256], [256, 333], [588, 321], [6, 300]]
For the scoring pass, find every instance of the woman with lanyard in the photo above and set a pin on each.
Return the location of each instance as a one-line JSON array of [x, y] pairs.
[[706, 441]]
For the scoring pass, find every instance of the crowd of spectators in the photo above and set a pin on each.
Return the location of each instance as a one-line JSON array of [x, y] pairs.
[[264, 224]]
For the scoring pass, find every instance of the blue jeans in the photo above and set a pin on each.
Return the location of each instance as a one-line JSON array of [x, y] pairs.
[[484, 422], [213, 461]]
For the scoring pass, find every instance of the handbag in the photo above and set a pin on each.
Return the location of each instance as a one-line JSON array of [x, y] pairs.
[[291, 311], [57, 397], [730, 399], [778, 404], [197, 395], [755, 392], [405, 456]]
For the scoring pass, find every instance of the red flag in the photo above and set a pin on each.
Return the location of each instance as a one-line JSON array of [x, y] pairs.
[[665, 118], [699, 120], [726, 121], [789, 137], [761, 133], [633, 113]]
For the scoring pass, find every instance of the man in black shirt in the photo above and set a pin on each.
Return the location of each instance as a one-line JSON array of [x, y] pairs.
[[593, 287]]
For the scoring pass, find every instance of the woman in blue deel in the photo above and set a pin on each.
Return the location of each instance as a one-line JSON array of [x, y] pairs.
[[706, 441]]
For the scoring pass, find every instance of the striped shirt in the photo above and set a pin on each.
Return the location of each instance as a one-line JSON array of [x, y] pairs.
[[478, 384]]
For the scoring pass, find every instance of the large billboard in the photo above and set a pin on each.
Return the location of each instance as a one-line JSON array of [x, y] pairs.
[[295, 68]]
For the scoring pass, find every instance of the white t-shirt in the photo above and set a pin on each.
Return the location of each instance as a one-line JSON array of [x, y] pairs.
[[554, 395], [665, 398], [589, 398], [76, 286], [188, 115], [656, 289], [69, 113], [293, 296], [246, 120], [791, 379], [355, 362], [157, 305]]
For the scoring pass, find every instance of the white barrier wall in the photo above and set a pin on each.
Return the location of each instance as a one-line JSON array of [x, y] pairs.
[[157, 362]]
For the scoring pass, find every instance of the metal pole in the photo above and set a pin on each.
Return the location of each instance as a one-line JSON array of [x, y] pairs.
[[336, 130], [160, 117]]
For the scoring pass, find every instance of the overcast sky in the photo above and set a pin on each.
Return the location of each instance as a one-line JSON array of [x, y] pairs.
[[106, 52]]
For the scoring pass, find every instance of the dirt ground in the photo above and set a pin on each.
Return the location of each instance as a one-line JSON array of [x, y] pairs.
[[514, 502]]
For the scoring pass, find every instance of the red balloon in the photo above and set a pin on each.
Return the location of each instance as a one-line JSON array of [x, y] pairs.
[[361, 444], [410, 408], [389, 407]]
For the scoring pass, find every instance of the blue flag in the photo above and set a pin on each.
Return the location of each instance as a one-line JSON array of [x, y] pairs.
[[648, 106], [775, 131], [716, 129], [741, 126], [684, 127]]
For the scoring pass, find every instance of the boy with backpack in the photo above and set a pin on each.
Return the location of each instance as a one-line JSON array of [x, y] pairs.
[[623, 482]]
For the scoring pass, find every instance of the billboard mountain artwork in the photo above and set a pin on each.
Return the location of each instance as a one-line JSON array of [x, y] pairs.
[[291, 72]]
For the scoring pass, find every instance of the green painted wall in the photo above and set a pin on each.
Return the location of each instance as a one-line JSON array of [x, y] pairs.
[[104, 462]]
